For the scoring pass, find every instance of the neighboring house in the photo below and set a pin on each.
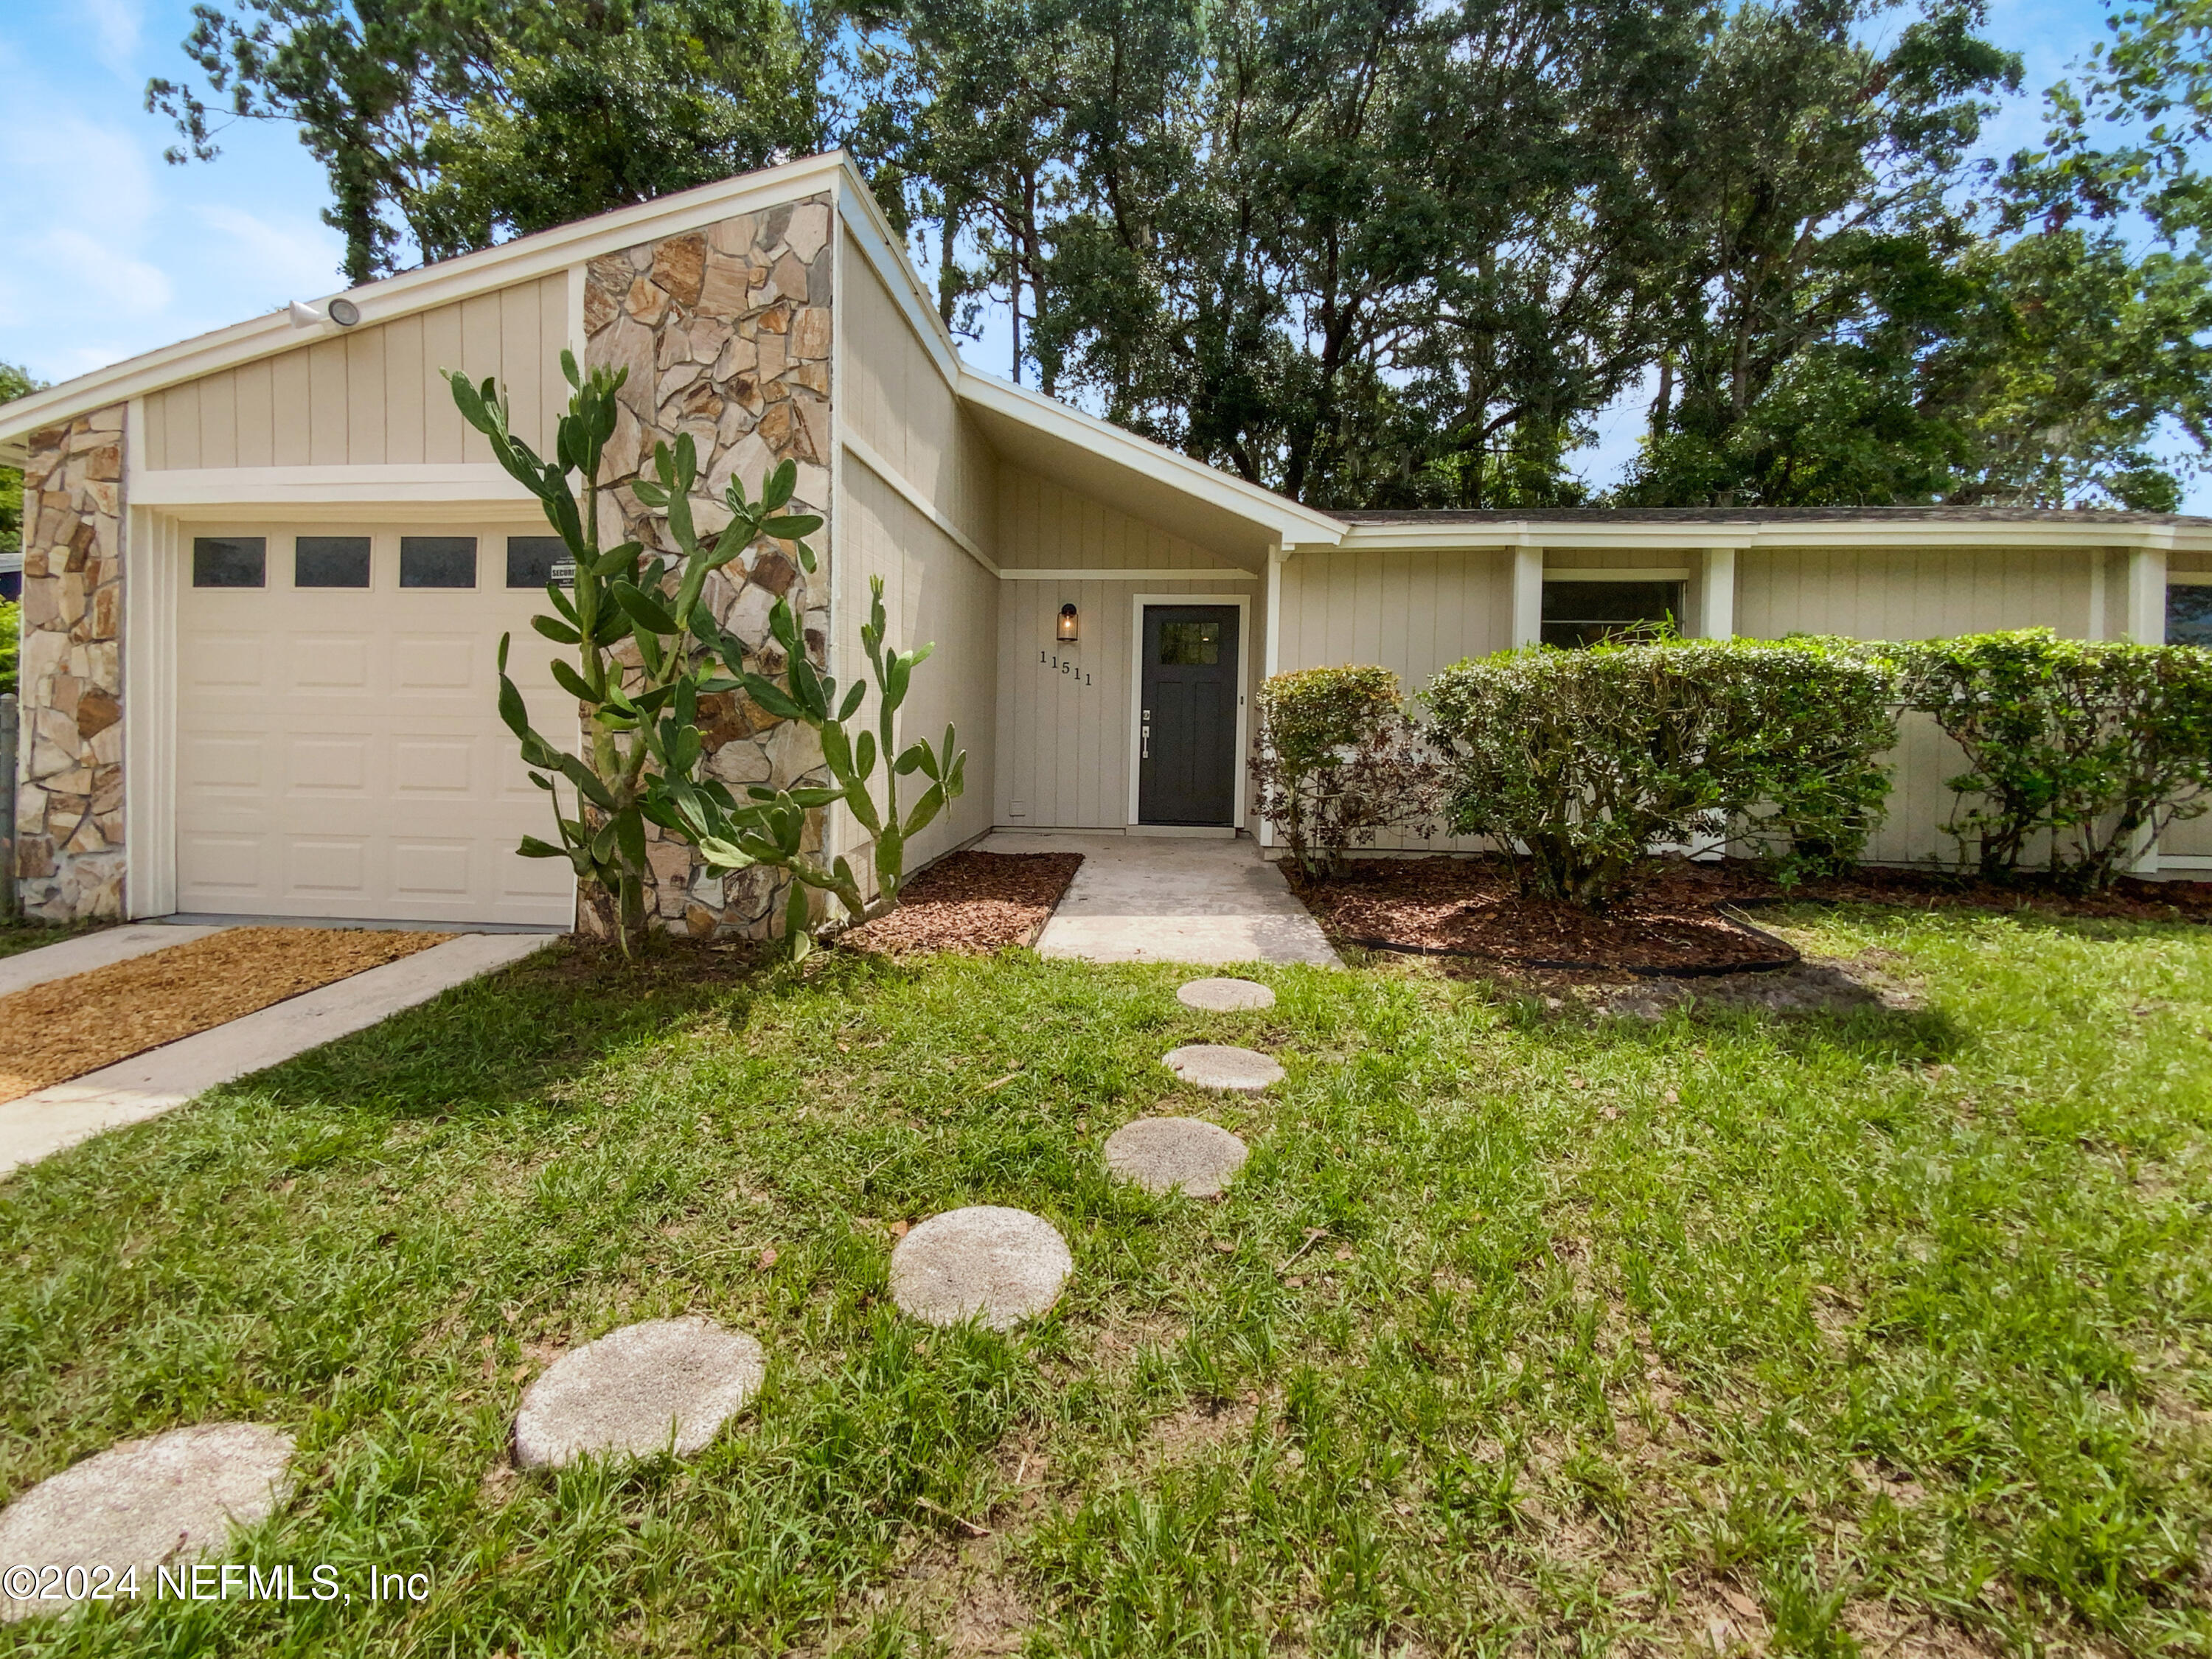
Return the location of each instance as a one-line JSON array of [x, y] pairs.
[[267, 570]]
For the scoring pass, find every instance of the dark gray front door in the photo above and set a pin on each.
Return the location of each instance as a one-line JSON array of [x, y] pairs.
[[1187, 734]]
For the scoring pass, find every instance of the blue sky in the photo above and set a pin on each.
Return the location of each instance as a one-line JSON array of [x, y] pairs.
[[117, 252]]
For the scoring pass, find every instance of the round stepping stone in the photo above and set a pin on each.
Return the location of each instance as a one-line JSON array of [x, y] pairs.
[[1226, 996], [144, 1503], [1162, 1153], [624, 1394], [1216, 1066], [997, 1265]]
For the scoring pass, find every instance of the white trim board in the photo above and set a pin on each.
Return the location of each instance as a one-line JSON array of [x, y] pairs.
[[372, 488], [865, 453], [1211, 572], [1137, 604], [1841, 532], [1672, 573], [1278, 514]]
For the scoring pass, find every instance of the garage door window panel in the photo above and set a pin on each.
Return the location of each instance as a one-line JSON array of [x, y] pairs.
[[330, 561], [447, 562], [538, 562], [230, 561]]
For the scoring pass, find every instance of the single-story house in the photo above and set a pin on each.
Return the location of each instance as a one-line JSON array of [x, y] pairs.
[[266, 571]]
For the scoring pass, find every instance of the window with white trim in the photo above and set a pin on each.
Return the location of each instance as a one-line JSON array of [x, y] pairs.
[[2189, 610], [1578, 613]]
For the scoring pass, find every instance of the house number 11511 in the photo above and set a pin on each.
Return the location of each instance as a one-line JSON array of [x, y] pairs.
[[1066, 667]]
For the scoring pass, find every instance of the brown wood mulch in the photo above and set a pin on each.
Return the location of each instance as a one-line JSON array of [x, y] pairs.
[[52, 1032], [2128, 899], [972, 903], [1472, 907]]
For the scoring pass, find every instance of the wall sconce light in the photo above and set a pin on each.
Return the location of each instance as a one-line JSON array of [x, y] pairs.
[[1066, 635]]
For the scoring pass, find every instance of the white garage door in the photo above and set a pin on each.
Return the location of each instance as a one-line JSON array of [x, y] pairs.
[[339, 747]]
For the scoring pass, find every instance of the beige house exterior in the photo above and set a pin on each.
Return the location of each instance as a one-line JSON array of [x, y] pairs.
[[266, 571]]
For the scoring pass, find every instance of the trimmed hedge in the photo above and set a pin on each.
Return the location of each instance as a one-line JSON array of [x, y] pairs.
[[1587, 758], [1336, 761], [2099, 744]]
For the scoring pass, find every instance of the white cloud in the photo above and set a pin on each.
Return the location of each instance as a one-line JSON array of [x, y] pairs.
[[115, 25], [63, 169], [94, 268], [293, 258]]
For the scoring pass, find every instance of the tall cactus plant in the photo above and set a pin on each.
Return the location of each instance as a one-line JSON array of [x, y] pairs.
[[770, 828], [643, 745]]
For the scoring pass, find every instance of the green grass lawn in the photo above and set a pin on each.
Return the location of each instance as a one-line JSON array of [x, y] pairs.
[[1808, 1336]]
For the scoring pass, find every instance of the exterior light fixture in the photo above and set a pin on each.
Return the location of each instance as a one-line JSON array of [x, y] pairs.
[[343, 311], [1066, 635]]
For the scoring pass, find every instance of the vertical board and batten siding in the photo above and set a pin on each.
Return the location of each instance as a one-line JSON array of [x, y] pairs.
[[933, 594], [1414, 612], [1914, 593], [890, 394], [374, 396], [1064, 737]]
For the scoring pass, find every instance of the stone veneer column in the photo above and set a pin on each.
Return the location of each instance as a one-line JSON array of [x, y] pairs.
[[726, 333], [69, 809]]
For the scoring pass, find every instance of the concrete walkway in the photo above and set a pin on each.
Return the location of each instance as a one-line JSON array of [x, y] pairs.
[[163, 1078], [1172, 898], [87, 951]]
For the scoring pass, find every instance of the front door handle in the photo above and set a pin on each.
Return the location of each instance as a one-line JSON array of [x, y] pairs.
[[1144, 735]]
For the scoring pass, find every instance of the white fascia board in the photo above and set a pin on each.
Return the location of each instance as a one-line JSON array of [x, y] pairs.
[[1971, 532], [1821, 532], [369, 487], [1503, 534], [525, 258], [1287, 519], [863, 216], [859, 213]]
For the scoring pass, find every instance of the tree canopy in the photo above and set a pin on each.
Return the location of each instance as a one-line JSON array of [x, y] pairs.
[[1383, 252]]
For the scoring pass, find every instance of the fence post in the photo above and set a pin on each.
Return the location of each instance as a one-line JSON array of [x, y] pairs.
[[8, 730]]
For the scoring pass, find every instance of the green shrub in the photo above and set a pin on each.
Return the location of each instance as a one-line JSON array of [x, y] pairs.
[[1336, 761], [2099, 744], [11, 643], [1584, 760]]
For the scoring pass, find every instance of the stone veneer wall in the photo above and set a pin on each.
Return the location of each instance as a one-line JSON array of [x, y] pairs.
[[726, 333], [69, 807]]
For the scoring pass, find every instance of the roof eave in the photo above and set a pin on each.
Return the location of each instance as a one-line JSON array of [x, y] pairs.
[[538, 254], [1286, 520]]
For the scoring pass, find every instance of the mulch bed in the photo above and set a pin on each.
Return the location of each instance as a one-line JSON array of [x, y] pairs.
[[68, 1027], [972, 903], [2128, 899], [1472, 907]]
